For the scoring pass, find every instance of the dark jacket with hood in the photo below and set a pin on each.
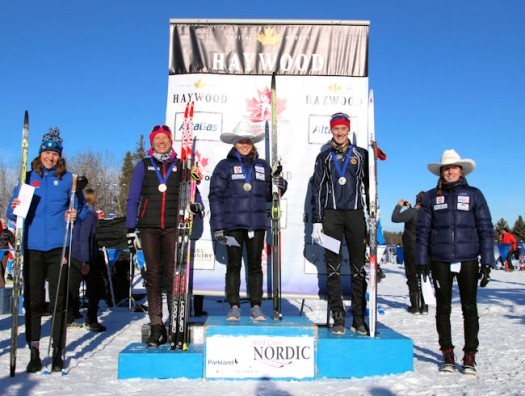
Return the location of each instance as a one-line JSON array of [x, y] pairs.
[[455, 226], [232, 207]]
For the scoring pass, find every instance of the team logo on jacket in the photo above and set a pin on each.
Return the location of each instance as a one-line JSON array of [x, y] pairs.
[[237, 169], [35, 183], [440, 203], [463, 202]]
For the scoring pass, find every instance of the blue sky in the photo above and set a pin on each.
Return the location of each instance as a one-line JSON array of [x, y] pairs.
[[445, 74]]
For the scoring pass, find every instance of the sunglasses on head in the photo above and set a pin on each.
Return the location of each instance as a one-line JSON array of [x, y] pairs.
[[340, 117], [164, 127]]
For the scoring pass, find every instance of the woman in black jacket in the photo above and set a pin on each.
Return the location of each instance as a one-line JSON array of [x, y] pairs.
[[454, 235]]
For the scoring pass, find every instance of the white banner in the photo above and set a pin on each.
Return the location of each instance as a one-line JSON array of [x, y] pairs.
[[259, 356], [304, 106]]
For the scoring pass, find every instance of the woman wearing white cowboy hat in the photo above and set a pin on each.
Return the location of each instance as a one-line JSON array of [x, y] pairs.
[[454, 235], [240, 187]]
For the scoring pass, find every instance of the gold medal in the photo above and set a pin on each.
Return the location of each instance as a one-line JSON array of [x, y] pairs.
[[247, 186], [162, 187]]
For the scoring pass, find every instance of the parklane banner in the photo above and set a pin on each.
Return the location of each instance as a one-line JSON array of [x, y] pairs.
[[225, 67]]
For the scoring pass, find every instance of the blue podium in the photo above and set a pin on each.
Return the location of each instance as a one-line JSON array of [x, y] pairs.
[[291, 349]]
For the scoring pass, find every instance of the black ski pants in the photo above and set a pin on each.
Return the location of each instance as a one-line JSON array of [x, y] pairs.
[[467, 279], [348, 225], [254, 247], [39, 266], [410, 265]]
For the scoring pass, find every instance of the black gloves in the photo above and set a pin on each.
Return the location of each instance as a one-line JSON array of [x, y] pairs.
[[195, 208], [82, 182], [423, 269], [484, 275], [133, 242], [280, 183]]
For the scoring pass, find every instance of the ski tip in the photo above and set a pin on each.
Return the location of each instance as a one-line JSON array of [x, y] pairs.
[[63, 373], [45, 372]]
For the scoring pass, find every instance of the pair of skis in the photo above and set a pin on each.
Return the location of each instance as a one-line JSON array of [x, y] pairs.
[[275, 212], [19, 253], [373, 216], [190, 176]]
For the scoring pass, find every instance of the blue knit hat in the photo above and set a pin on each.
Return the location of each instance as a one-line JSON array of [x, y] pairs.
[[52, 141]]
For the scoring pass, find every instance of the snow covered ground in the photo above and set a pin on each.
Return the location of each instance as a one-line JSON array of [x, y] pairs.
[[92, 359]]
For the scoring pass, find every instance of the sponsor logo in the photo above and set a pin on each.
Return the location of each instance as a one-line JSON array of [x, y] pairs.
[[199, 97], [328, 100], [221, 362], [248, 61]]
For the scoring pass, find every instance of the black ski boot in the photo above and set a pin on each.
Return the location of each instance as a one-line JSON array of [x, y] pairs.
[[57, 362], [414, 303], [35, 364], [157, 336]]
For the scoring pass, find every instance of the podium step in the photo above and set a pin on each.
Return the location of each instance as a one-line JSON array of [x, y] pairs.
[[291, 349]]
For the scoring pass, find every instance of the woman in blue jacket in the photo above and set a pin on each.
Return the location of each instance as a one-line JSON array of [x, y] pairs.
[[455, 233], [240, 187], [45, 227]]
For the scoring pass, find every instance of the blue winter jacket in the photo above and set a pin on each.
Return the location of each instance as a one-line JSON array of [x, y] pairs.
[[45, 224], [454, 227], [84, 246], [232, 207]]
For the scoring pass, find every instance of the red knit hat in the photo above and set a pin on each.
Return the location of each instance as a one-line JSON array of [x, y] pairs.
[[160, 129], [339, 119]]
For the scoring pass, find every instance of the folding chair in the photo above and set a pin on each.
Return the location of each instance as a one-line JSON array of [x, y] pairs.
[[110, 258]]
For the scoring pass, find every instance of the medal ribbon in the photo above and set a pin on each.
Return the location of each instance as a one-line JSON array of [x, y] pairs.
[[248, 176], [341, 171], [162, 180]]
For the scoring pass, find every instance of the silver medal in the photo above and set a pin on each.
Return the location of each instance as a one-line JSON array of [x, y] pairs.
[[162, 187], [342, 181], [247, 186]]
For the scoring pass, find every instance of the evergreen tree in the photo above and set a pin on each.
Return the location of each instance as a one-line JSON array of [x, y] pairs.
[[124, 180], [128, 166], [519, 229], [140, 150], [498, 228]]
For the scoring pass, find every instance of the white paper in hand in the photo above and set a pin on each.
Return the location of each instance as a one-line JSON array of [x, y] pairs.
[[428, 291], [25, 195], [331, 243]]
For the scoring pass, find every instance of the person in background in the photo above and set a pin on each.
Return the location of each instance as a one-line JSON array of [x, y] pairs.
[[45, 227], [7, 241], [339, 183], [509, 239], [85, 263], [409, 217], [240, 187], [152, 207], [454, 235]]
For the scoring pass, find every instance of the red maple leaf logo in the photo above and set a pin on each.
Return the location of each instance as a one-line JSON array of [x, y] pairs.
[[260, 106]]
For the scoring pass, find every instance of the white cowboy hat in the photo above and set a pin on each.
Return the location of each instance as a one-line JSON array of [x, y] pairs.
[[450, 157], [243, 130]]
